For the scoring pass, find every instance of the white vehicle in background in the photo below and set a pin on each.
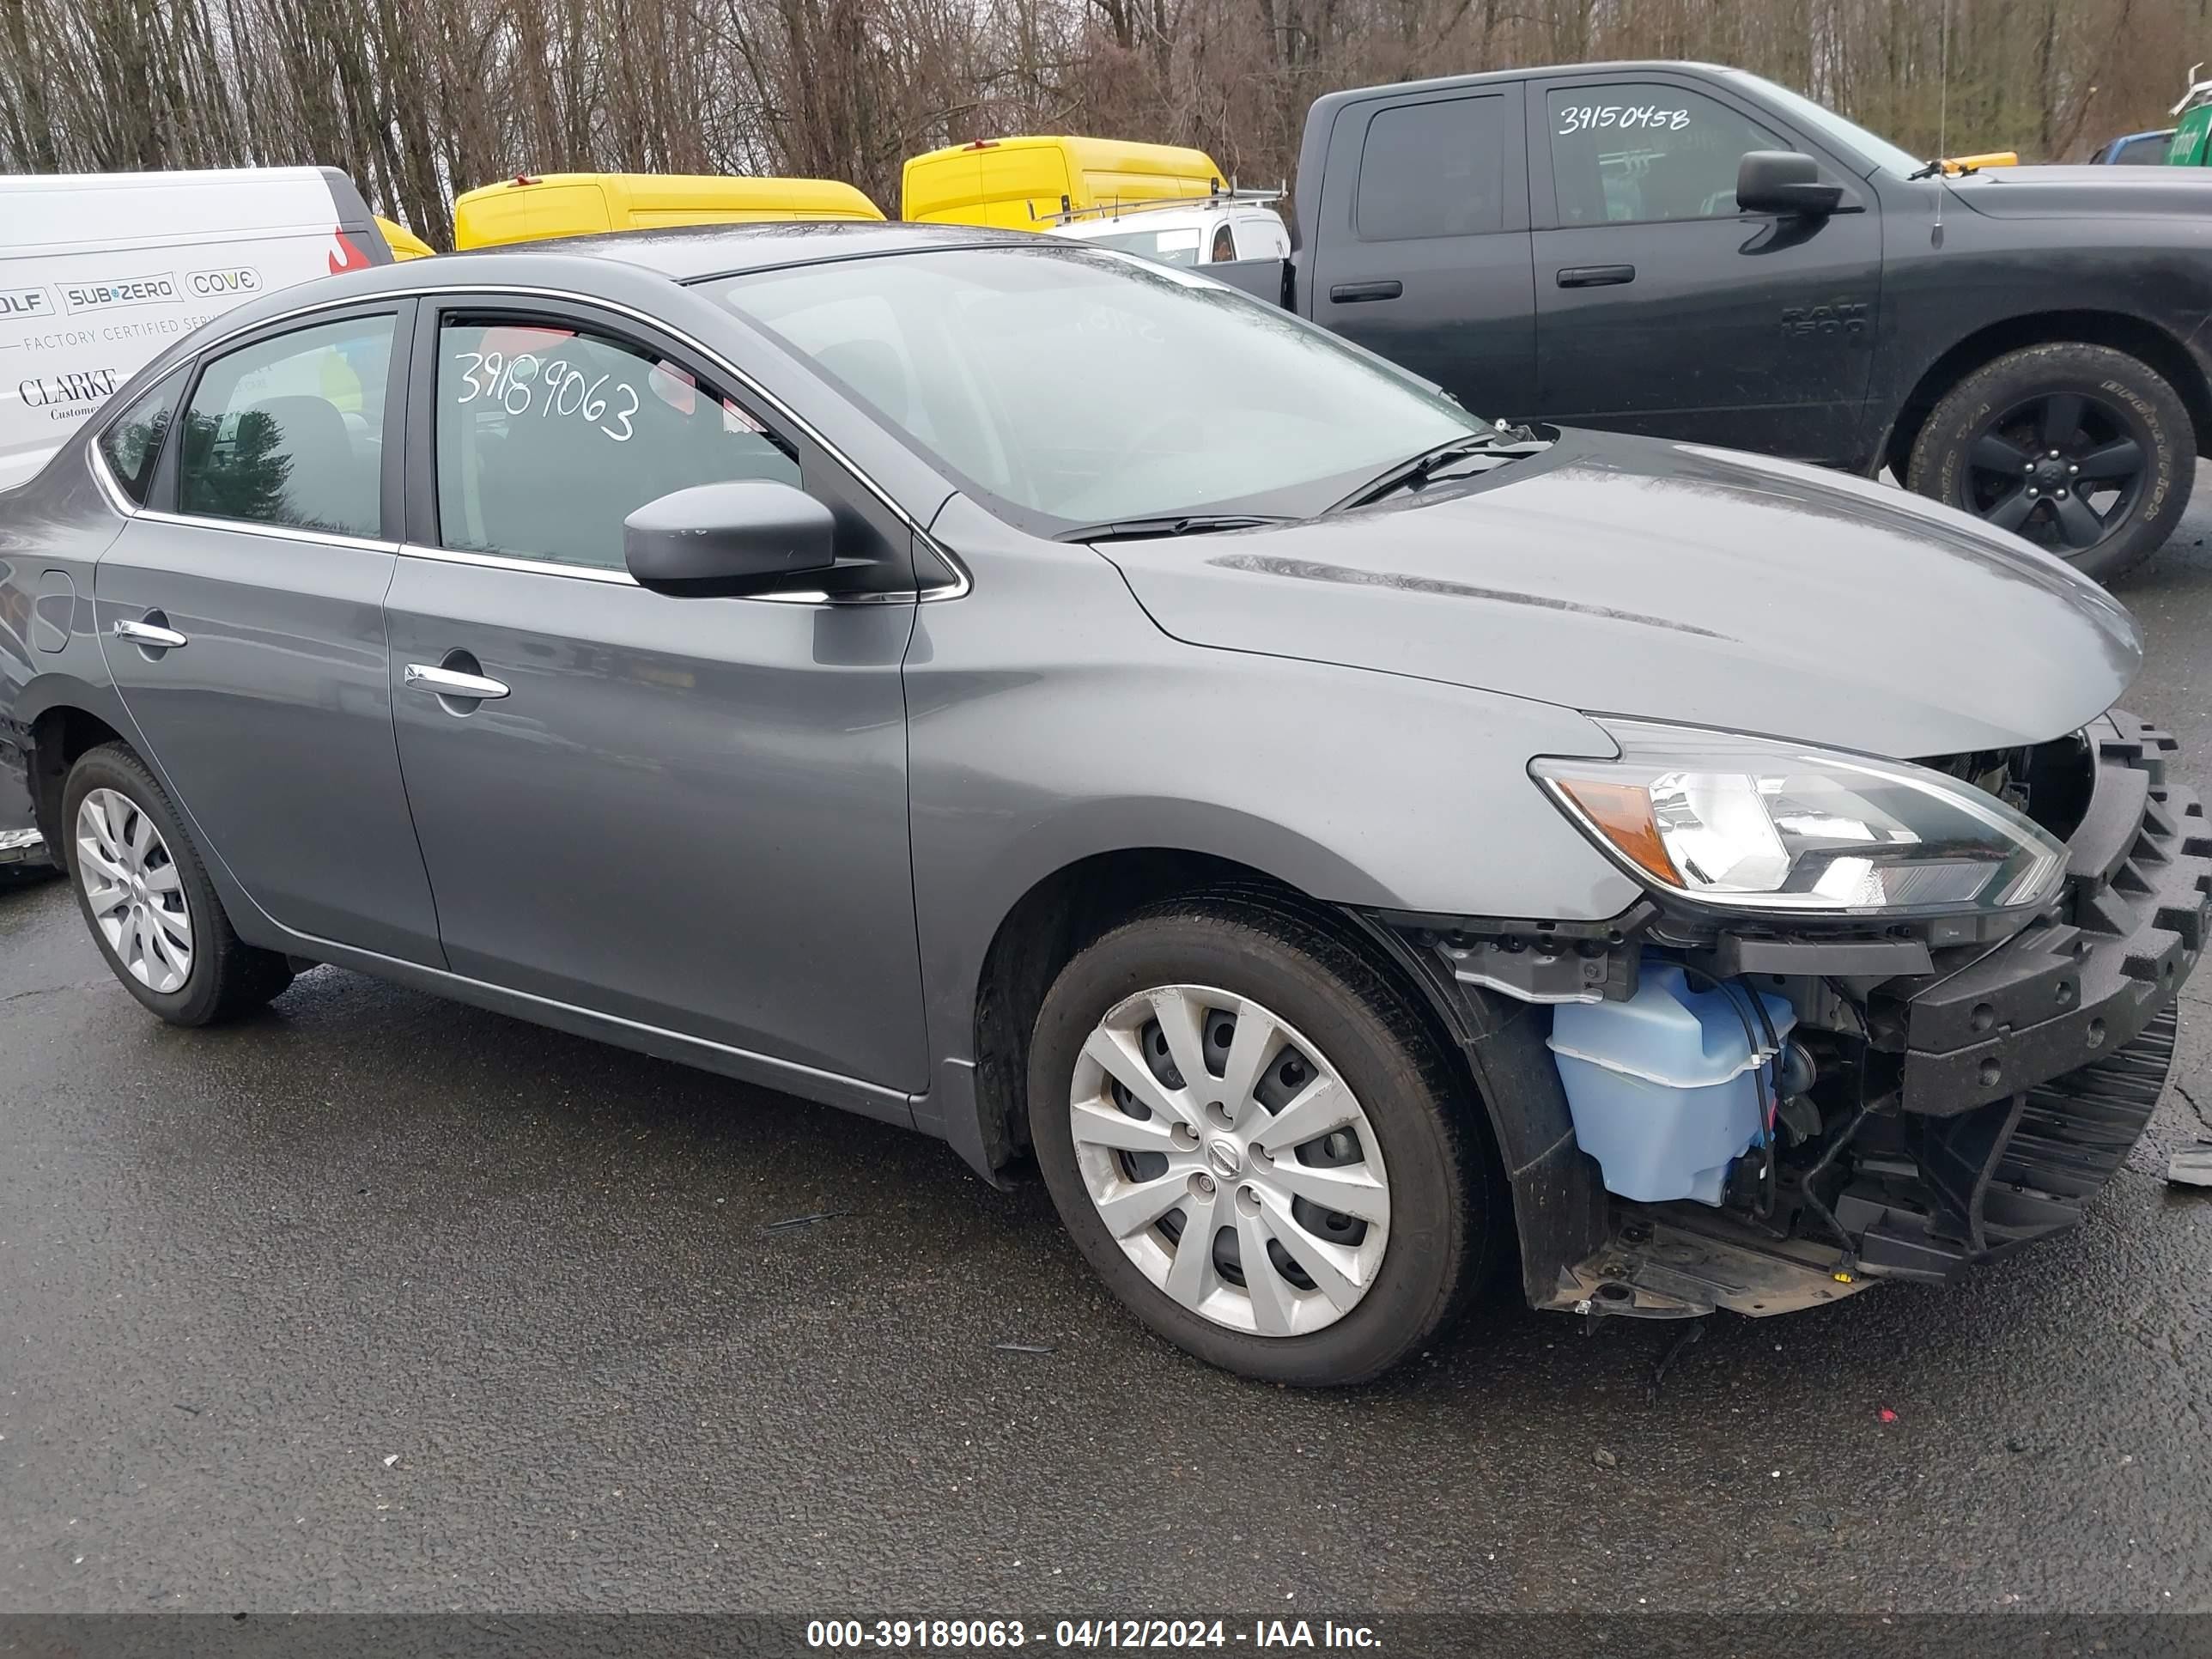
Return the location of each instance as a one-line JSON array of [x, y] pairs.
[[100, 272], [1237, 224]]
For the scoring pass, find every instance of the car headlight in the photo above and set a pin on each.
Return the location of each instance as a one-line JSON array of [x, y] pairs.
[[1753, 823]]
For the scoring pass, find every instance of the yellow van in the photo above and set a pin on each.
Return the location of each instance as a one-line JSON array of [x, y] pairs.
[[1018, 183], [536, 206], [404, 243]]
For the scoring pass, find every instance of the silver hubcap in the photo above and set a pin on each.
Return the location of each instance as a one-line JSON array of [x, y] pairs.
[[135, 892], [1230, 1161]]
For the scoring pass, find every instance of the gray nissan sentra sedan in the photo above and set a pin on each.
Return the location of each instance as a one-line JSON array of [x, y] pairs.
[[1004, 687]]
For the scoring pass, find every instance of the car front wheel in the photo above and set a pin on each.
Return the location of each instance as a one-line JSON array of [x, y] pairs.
[[2083, 450], [145, 894], [1258, 1143]]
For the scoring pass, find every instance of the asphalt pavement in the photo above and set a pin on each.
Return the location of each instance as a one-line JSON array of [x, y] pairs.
[[377, 1301]]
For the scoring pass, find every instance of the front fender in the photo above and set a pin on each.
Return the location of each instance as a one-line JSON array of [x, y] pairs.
[[1050, 721]]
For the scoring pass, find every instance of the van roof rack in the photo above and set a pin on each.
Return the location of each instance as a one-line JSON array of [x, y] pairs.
[[1215, 196], [2198, 90]]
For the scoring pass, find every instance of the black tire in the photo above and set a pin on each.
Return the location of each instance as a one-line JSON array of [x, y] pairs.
[[227, 977], [1447, 1202], [2122, 395]]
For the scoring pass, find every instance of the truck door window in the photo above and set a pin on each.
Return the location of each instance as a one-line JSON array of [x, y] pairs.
[[1432, 169], [1628, 153], [548, 437], [290, 431], [1225, 244]]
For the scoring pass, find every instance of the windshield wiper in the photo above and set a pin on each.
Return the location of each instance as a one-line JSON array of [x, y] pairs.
[[1420, 469], [1939, 168], [1169, 524]]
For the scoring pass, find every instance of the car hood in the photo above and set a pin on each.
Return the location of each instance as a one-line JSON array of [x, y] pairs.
[[2100, 191], [1668, 580]]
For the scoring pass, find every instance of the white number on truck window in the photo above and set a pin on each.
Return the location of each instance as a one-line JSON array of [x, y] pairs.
[[1628, 117]]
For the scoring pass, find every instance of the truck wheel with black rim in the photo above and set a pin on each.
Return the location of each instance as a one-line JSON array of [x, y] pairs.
[[2083, 450], [145, 894], [1257, 1141]]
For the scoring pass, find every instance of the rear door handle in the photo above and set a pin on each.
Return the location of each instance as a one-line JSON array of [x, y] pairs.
[[1596, 275], [1352, 293], [150, 634], [452, 683]]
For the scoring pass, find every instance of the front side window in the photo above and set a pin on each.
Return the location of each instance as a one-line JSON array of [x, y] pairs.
[[1225, 244], [548, 437], [1628, 152], [289, 431], [1432, 169], [133, 442], [1073, 385], [1820, 120]]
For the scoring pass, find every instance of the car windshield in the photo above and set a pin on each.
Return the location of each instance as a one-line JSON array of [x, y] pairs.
[[1846, 135], [1071, 386], [1169, 247]]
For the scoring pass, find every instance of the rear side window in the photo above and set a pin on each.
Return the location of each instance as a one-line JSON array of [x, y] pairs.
[[289, 431], [133, 442], [1433, 169], [549, 438]]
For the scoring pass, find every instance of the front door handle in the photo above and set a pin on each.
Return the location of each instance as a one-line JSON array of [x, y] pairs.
[[1596, 275], [152, 635], [1352, 293], [452, 683]]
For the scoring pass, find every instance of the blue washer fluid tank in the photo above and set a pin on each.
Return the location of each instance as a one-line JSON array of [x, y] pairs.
[[1666, 1089]]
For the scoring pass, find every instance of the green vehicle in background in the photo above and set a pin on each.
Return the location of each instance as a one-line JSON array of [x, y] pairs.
[[2195, 113]]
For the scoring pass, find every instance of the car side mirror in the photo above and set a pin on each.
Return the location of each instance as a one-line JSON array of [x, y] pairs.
[[727, 540], [1784, 181]]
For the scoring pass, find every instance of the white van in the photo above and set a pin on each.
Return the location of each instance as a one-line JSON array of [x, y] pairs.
[[98, 272], [1200, 231]]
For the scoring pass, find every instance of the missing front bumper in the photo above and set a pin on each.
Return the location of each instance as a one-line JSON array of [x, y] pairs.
[[2024, 1076], [1985, 1184]]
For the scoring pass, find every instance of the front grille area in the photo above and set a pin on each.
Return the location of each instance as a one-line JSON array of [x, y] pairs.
[[2073, 1135], [2050, 782], [1993, 1179], [2071, 988], [2029, 1072]]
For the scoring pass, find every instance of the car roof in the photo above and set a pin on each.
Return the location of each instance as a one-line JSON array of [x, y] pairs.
[[626, 262], [691, 253]]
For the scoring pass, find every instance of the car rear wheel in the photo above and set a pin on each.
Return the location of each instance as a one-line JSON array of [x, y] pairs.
[[2083, 450], [1255, 1140], [145, 894]]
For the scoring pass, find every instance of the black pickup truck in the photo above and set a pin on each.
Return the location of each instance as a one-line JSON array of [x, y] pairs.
[[1695, 253]]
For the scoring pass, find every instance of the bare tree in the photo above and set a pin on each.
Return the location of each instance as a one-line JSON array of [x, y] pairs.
[[419, 100]]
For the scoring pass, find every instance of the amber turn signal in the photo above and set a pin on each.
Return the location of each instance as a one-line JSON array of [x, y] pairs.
[[1621, 812]]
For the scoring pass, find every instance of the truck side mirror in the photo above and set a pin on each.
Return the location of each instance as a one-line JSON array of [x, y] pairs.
[[1784, 181]]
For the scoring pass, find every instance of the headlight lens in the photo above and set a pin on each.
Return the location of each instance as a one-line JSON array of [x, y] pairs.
[[1752, 823]]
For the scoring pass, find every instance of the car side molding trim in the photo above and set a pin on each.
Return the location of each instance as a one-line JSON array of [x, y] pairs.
[[600, 573], [826, 1088], [96, 463]]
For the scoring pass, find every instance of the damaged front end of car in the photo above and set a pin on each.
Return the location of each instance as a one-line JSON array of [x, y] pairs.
[[1768, 1103]]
